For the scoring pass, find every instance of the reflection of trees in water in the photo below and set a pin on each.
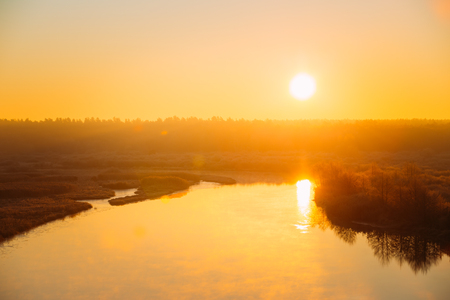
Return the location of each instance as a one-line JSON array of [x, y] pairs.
[[348, 235], [418, 252], [317, 218]]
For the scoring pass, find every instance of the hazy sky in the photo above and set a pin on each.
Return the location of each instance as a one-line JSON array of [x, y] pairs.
[[148, 59]]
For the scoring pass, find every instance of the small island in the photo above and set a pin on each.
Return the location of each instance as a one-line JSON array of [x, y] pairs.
[[156, 186]]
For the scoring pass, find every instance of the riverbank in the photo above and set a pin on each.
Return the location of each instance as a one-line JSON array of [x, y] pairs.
[[28, 200], [20, 215], [155, 187]]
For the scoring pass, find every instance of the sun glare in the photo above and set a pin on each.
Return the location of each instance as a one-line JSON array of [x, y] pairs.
[[302, 86]]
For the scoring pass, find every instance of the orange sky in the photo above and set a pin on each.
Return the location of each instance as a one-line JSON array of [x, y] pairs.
[[150, 59]]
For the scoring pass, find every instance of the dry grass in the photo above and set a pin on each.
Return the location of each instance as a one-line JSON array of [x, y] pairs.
[[121, 185], [165, 183], [29, 201], [19, 215], [88, 190], [33, 189], [154, 187]]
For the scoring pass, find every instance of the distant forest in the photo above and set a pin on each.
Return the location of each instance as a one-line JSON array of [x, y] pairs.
[[216, 134]]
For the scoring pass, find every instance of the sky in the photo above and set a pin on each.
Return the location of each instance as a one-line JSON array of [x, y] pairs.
[[147, 59]]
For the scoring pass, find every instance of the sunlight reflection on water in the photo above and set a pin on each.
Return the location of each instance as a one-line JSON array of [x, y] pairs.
[[303, 194], [304, 204]]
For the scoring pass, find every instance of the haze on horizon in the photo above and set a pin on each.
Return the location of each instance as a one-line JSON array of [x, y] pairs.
[[140, 59]]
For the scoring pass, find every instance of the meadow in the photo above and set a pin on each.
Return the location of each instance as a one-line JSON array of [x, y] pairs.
[[360, 163]]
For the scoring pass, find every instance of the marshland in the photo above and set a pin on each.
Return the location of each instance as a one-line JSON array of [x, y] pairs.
[[224, 149], [362, 172]]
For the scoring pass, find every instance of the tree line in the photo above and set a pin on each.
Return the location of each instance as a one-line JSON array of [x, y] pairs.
[[217, 134]]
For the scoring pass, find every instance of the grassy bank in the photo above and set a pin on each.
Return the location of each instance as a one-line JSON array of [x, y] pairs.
[[35, 196], [20, 215], [28, 200], [156, 186]]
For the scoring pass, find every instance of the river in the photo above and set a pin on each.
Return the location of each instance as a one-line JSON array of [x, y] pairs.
[[218, 242]]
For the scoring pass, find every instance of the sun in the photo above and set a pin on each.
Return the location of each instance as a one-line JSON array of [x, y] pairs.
[[302, 86]]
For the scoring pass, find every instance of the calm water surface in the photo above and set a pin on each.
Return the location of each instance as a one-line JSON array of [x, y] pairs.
[[229, 242]]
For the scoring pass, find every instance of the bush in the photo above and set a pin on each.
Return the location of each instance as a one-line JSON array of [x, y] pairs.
[[381, 196]]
